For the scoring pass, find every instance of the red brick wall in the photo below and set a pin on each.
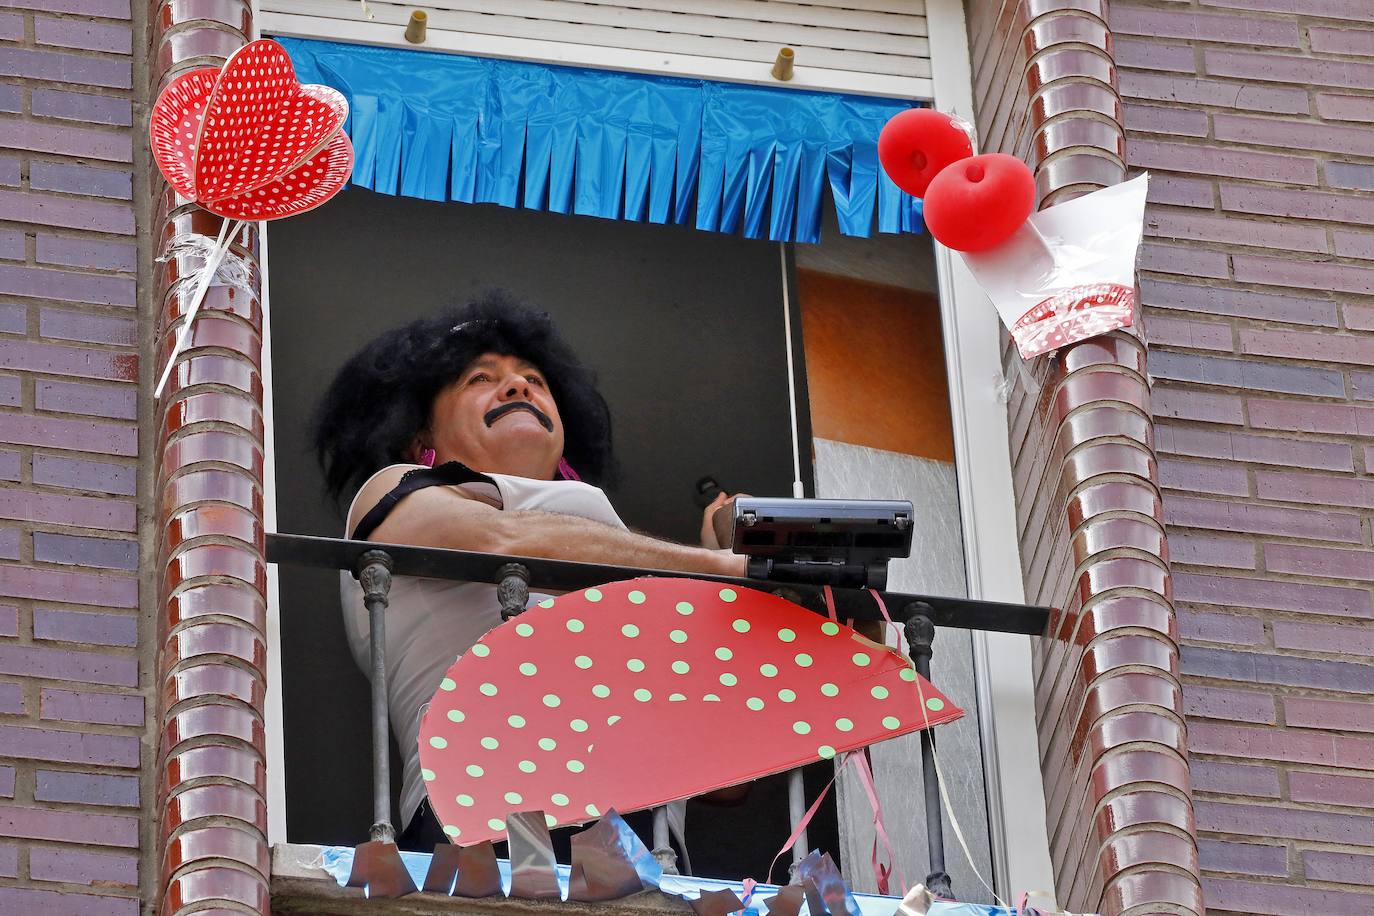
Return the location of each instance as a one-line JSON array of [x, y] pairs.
[[1109, 704], [1258, 278], [72, 689]]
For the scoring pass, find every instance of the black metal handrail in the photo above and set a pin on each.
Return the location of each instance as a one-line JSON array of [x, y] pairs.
[[567, 575], [374, 564]]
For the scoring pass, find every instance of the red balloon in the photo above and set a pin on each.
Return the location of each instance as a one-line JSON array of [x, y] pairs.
[[917, 144], [979, 202]]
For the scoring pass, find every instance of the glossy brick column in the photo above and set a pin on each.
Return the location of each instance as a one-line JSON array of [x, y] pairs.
[[1113, 745], [212, 842]]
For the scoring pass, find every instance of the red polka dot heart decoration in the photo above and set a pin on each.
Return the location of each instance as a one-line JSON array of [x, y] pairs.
[[637, 693], [247, 142]]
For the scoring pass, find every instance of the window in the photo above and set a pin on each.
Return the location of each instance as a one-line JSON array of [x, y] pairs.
[[721, 298]]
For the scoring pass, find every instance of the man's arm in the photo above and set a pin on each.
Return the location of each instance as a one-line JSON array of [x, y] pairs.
[[441, 517]]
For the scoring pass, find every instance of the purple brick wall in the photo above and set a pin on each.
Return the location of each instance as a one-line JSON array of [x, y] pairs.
[[73, 689], [1254, 118]]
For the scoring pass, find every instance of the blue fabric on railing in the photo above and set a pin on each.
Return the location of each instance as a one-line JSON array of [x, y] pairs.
[[337, 861], [730, 158]]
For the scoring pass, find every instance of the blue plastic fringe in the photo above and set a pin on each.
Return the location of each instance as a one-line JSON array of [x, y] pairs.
[[728, 158]]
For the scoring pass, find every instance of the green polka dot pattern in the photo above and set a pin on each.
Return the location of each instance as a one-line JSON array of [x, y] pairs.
[[553, 702]]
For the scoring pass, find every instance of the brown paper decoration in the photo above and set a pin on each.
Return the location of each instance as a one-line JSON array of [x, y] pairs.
[[378, 868], [716, 903], [442, 877], [478, 875], [786, 902]]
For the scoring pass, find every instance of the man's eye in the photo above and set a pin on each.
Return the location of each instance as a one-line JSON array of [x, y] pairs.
[[479, 377], [535, 380]]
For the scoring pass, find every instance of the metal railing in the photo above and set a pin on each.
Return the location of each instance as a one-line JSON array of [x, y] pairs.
[[375, 564]]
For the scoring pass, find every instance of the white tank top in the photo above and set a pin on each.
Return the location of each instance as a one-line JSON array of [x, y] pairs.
[[430, 622]]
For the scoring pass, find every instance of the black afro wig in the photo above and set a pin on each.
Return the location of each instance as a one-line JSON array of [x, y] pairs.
[[381, 398]]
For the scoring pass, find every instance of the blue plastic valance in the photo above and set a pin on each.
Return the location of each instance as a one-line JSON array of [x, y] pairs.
[[719, 156]]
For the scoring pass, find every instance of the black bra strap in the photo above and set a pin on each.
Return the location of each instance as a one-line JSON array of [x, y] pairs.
[[445, 475]]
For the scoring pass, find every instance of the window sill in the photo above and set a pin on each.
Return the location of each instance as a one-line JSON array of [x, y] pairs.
[[300, 886]]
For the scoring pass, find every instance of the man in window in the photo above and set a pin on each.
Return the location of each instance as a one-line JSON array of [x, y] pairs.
[[476, 429]]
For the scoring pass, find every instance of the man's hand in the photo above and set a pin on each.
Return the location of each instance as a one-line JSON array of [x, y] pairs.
[[715, 528], [708, 530]]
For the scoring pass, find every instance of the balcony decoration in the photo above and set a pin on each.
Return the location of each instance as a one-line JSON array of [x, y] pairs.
[[609, 862], [247, 142], [796, 646], [1056, 277], [917, 144], [637, 693], [756, 160]]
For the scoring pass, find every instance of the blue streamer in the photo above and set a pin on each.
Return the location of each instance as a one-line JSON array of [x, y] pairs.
[[722, 157]]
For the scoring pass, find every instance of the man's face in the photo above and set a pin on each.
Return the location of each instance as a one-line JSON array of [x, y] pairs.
[[498, 417]]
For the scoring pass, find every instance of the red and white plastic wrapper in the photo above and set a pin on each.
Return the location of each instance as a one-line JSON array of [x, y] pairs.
[[1069, 272]]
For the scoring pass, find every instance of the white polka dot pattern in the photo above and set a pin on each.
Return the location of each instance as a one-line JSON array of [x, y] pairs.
[[303, 189], [652, 690], [1073, 315], [174, 124], [260, 123], [248, 141]]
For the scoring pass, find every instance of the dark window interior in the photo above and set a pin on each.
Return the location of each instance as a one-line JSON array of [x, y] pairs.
[[686, 331]]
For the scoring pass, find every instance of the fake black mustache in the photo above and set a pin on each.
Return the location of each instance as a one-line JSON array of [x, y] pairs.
[[497, 413]]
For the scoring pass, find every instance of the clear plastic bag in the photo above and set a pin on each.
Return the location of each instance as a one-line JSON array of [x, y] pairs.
[[1069, 272]]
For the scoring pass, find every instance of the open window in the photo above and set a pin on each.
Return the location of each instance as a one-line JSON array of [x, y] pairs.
[[689, 331]]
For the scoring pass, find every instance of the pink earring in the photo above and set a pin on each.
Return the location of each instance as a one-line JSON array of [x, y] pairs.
[[427, 457], [565, 470]]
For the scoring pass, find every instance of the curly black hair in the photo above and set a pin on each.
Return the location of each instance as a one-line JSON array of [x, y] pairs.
[[382, 397]]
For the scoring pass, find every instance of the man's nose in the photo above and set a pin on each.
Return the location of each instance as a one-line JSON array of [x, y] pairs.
[[516, 387]]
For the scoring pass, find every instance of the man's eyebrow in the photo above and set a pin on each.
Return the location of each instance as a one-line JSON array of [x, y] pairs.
[[491, 362]]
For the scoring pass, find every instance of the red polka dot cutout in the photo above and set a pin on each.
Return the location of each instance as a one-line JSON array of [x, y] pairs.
[[249, 141], [637, 693]]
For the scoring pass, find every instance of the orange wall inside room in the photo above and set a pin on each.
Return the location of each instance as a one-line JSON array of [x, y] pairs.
[[875, 365]]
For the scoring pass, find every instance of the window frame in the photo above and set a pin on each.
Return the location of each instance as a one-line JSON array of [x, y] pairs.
[[1016, 809]]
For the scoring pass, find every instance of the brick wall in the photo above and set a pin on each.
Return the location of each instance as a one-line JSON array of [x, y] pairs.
[[1090, 521], [1259, 286], [72, 704]]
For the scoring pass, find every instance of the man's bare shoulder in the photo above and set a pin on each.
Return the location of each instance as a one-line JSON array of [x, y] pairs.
[[386, 480]]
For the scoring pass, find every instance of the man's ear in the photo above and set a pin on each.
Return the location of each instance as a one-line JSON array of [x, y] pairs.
[[418, 445]]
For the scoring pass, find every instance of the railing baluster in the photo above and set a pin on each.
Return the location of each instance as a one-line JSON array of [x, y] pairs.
[[920, 636], [796, 810], [663, 847], [374, 573]]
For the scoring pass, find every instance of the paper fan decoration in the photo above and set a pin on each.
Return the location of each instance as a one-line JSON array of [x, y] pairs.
[[637, 693], [248, 140]]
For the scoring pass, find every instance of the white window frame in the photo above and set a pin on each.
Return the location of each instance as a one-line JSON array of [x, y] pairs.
[[1016, 806], [551, 51]]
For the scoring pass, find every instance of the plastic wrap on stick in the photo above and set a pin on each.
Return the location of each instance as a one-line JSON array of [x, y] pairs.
[[1069, 272]]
